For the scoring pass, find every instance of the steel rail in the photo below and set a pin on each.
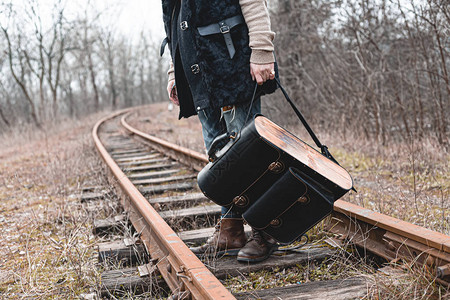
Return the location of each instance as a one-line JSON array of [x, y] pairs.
[[190, 157], [185, 274], [382, 235]]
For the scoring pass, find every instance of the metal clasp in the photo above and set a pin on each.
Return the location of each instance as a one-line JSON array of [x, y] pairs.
[[303, 200], [224, 28], [241, 201], [195, 69], [184, 25], [276, 222], [276, 167]]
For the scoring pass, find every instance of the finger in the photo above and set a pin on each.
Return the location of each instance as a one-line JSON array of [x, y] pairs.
[[173, 92], [175, 97], [259, 79], [265, 76], [252, 73], [175, 100], [170, 87], [269, 73]]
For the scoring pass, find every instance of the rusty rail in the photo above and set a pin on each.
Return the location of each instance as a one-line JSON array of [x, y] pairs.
[[189, 157], [392, 238], [380, 234], [185, 274]]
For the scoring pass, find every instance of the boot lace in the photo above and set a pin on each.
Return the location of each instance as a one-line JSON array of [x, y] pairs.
[[256, 235]]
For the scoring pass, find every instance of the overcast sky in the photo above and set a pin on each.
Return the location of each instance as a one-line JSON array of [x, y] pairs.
[[136, 14], [129, 16]]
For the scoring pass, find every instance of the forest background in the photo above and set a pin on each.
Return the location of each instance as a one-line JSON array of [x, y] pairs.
[[375, 69]]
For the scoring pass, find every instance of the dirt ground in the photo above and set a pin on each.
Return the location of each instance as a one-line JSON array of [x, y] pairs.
[[48, 250], [47, 246]]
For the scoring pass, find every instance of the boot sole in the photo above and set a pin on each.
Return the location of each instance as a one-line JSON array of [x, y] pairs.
[[231, 252], [256, 259]]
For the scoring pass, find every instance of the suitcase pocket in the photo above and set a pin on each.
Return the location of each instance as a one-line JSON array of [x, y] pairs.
[[232, 172], [290, 207], [284, 193]]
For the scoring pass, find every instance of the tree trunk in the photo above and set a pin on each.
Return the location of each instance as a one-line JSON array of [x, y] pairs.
[[94, 84], [20, 83], [3, 118]]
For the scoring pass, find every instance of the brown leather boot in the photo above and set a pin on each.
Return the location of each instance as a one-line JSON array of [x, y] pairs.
[[258, 248], [228, 239]]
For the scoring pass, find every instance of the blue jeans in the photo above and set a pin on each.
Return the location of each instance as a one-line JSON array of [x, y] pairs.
[[216, 122]]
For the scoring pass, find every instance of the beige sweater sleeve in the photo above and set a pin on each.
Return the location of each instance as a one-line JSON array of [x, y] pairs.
[[256, 16]]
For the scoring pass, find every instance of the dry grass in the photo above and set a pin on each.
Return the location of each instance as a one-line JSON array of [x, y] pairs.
[[47, 246], [410, 182], [406, 282]]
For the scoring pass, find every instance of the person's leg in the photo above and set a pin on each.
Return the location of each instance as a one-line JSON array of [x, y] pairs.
[[212, 125], [229, 236], [236, 116]]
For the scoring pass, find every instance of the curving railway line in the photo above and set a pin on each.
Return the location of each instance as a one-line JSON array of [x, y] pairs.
[[157, 183]]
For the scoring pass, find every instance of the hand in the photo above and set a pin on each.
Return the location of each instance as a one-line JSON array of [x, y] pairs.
[[262, 73], [172, 91]]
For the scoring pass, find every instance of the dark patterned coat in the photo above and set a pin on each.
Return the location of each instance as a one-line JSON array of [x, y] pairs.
[[205, 75]]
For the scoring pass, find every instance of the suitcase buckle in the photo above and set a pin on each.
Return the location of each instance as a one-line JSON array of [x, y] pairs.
[[276, 167], [240, 201], [275, 222], [303, 200]]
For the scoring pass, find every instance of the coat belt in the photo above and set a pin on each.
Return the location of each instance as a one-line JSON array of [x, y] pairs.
[[223, 27]]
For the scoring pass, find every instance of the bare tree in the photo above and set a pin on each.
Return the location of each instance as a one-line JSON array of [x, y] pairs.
[[55, 53], [378, 68], [108, 57], [18, 71]]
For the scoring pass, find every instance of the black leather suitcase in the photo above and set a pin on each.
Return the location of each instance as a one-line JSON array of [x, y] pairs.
[[282, 185]]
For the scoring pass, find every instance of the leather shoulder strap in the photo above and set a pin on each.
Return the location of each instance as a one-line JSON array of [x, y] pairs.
[[323, 148]]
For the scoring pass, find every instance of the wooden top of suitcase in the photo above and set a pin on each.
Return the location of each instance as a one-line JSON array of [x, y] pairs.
[[304, 153]]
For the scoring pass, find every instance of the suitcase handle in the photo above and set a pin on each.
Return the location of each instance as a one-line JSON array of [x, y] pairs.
[[217, 143]]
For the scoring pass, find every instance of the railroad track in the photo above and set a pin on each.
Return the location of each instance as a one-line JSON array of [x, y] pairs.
[[157, 184]]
